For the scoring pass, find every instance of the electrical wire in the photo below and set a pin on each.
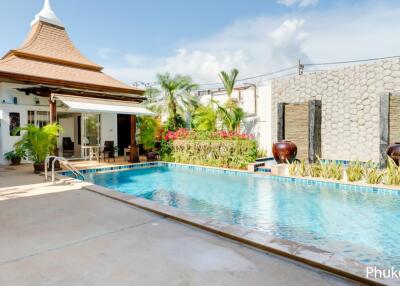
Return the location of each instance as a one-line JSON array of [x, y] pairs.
[[306, 71]]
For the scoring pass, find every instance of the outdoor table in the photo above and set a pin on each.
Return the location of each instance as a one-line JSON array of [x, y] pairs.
[[94, 151]]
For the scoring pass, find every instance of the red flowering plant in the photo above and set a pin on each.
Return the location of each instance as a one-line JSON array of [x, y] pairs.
[[182, 134], [220, 148]]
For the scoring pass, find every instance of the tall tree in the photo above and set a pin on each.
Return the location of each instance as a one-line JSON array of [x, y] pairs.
[[229, 80], [230, 114], [174, 97]]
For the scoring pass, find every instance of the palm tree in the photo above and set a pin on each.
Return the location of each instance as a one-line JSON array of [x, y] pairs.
[[204, 118], [148, 129], [174, 97], [229, 81], [230, 116], [39, 142]]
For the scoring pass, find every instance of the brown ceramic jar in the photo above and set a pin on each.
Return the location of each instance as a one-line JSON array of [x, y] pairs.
[[284, 151], [393, 152]]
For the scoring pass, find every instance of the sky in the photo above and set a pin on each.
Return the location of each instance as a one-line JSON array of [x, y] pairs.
[[135, 40]]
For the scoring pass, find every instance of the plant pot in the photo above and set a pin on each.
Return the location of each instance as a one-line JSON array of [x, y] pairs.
[[16, 161], [151, 156], [38, 167], [284, 151], [393, 151]]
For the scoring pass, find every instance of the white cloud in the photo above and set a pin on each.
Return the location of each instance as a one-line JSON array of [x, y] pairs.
[[249, 46], [265, 44], [301, 3], [104, 53]]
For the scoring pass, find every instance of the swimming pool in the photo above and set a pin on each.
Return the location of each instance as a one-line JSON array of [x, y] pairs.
[[357, 224]]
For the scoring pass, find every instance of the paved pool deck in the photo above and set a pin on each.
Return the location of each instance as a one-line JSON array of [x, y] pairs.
[[65, 235]]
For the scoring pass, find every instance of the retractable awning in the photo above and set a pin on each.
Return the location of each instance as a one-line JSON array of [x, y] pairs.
[[86, 104]]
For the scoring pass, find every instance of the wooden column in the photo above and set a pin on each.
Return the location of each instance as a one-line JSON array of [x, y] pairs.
[[384, 111], [281, 121], [53, 119], [134, 153], [53, 110]]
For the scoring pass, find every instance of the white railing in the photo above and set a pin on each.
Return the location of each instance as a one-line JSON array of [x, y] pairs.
[[62, 161]]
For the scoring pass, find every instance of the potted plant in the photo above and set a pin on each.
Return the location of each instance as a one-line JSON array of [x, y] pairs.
[[148, 129], [15, 156], [38, 143]]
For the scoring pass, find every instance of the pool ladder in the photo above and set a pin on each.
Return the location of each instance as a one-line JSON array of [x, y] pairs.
[[62, 161]]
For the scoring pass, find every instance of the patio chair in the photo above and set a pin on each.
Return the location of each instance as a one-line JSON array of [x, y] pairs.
[[109, 150], [68, 147]]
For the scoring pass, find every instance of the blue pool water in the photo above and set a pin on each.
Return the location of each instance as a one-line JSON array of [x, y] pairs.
[[362, 225]]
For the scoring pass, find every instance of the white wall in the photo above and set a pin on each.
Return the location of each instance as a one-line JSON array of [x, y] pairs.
[[109, 128], [68, 125], [7, 93], [259, 123]]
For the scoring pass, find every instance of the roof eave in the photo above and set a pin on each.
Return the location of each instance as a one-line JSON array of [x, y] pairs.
[[30, 56], [28, 79]]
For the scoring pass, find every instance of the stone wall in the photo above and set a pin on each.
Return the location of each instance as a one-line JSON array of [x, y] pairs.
[[350, 105]]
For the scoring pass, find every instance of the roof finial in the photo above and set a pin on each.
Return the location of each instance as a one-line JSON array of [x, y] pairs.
[[47, 15]]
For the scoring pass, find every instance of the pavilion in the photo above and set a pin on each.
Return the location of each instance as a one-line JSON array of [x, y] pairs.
[[49, 68]]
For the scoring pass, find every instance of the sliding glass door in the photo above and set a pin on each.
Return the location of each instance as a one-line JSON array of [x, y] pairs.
[[91, 137]]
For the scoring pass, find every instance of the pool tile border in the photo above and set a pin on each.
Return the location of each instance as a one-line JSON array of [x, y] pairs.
[[392, 190], [312, 256]]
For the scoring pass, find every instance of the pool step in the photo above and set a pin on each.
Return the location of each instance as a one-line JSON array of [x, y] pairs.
[[263, 169]]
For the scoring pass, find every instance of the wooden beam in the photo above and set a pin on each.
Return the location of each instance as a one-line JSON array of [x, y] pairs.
[[134, 153], [44, 90]]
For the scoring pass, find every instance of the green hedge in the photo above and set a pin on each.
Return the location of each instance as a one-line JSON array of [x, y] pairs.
[[219, 153]]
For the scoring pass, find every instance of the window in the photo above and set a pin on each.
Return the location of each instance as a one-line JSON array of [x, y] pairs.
[[15, 122], [31, 117], [38, 118], [42, 118]]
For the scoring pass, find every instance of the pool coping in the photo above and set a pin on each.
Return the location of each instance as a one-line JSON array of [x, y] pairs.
[[309, 255], [359, 185]]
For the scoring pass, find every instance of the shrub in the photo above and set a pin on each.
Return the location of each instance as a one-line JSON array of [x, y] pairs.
[[292, 168], [355, 172], [372, 174], [336, 171], [219, 149], [262, 153], [148, 129], [166, 151], [16, 154], [38, 142], [392, 173], [332, 170], [302, 169], [325, 171], [204, 119], [315, 170]]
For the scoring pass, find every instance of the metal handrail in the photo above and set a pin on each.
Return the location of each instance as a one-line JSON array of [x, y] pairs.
[[63, 161]]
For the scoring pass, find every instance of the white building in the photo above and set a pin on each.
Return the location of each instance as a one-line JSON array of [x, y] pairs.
[[47, 80], [256, 102]]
